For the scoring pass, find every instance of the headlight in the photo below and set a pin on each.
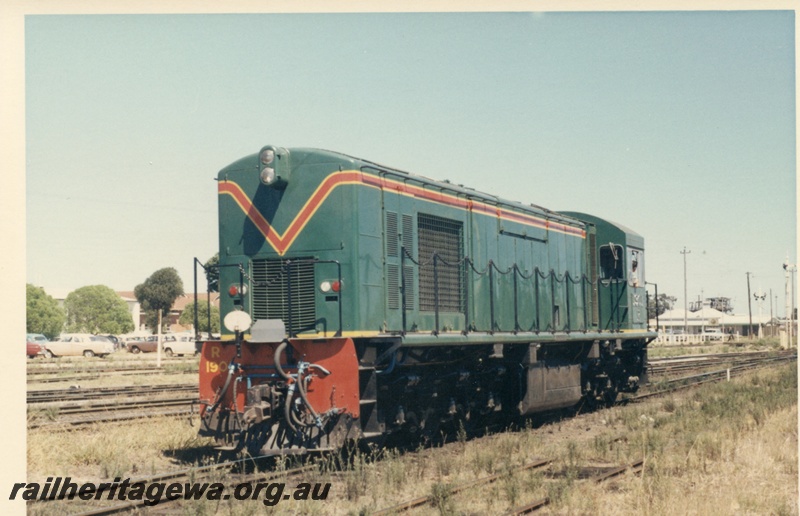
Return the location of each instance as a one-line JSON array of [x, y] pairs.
[[268, 175], [267, 156], [274, 167]]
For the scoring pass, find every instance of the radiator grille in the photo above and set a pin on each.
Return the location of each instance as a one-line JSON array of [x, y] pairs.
[[271, 295], [443, 237]]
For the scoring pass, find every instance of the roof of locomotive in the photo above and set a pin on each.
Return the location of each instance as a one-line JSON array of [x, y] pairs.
[[309, 155], [631, 237]]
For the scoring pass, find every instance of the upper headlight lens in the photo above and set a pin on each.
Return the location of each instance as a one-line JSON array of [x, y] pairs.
[[267, 156], [267, 175]]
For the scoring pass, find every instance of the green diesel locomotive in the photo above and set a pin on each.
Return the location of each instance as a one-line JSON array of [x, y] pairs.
[[364, 302]]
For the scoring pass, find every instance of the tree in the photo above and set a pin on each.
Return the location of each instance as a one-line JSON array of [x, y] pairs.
[[212, 273], [187, 317], [97, 309], [158, 293], [665, 303], [43, 313]]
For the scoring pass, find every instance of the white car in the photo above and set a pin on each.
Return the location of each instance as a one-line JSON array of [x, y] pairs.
[[76, 344], [179, 345], [713, 334]]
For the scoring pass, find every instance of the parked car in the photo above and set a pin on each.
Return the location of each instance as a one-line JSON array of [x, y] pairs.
[[713, 334], [33, 349], [180, 345], [142, 344], [37, 337], [115, 340], [75, 344]]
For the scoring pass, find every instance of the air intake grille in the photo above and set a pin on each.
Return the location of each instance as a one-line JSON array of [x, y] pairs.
[[271, 295], [443, 237]]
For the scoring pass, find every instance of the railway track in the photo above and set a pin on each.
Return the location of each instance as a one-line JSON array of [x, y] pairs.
[[88, 377], [110, 412], [102, 366], [685, 382], [589, 473], [85, 394], [416, 502], [678, 365], [602, 476]]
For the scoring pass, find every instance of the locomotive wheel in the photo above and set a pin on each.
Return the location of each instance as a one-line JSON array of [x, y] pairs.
[[610, 396]]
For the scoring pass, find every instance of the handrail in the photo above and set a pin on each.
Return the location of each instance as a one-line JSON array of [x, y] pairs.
[[616, 292], [435, 261]]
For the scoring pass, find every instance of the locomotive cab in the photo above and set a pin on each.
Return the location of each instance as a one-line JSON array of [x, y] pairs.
[[616, 264]]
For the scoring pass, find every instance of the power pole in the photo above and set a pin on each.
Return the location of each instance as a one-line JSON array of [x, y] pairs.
[[685, 297], [789, 268], [749, 307], [771, 326]]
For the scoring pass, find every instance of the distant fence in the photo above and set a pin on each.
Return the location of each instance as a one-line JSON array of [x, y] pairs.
[[667, 339]]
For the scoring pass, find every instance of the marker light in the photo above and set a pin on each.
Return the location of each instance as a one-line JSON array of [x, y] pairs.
[[267, 156], [325, 286], [234, 290], [267, 175], [336, 286]]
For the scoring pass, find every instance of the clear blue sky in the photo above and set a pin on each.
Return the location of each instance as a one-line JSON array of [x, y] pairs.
[[680, 125]]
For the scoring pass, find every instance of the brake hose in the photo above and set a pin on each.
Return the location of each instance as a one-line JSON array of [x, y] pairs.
[[297, 383], [231, 369]]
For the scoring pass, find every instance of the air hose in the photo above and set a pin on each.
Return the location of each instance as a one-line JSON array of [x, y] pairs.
[[297, 382], [231, 369]]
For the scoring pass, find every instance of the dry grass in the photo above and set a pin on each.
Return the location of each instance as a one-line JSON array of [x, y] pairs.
[[104, 451]]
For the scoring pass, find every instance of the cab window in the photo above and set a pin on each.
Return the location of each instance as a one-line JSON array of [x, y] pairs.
[[636, 267], [611, 262]]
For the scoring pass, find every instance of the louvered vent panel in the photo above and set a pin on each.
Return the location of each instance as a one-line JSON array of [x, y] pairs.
[[408, 234], [391, 234], [409, 280], [271, 294], [393, 284]]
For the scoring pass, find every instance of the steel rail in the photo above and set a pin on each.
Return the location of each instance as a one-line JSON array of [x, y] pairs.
[[111, 416], [416, 502], [634, 467], [95, 376], [677, 384], [59, 395], [103, 368]]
